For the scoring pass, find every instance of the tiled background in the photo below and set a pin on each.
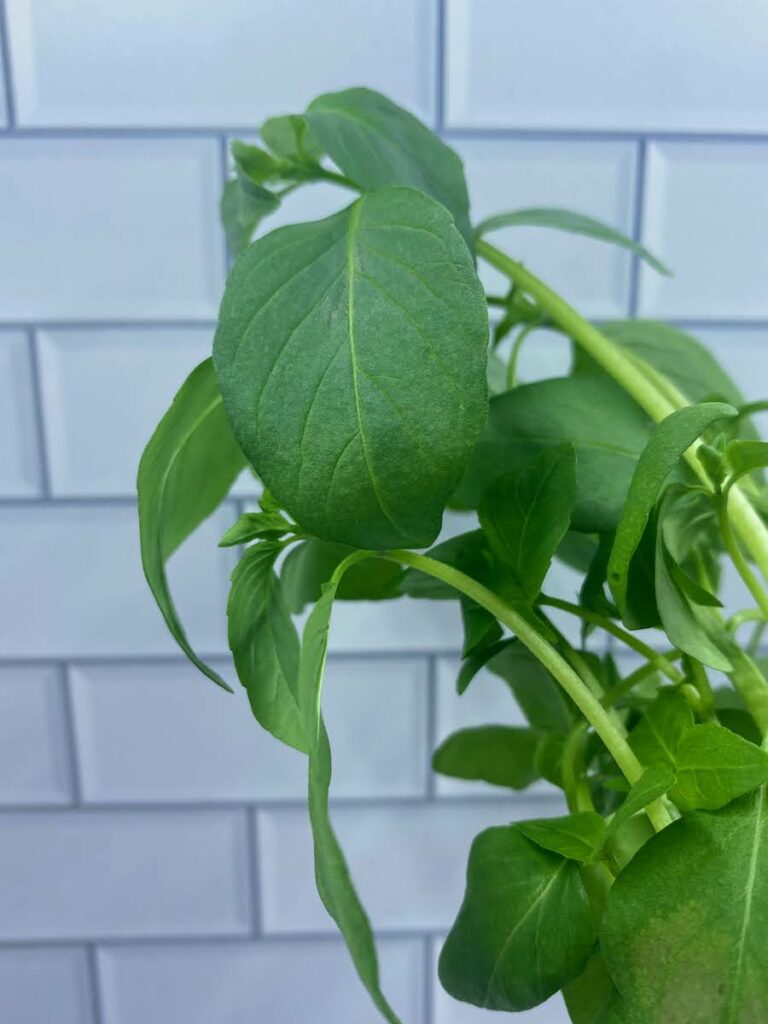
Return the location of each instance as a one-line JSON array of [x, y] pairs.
[[154, 854]]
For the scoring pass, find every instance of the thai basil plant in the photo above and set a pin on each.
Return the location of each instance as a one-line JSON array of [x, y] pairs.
[[355, 373]]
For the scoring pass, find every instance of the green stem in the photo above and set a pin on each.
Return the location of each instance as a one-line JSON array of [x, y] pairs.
[[737, 557], [703, 688], [637, 383], [656, 659], [594, 712], [633, 679]]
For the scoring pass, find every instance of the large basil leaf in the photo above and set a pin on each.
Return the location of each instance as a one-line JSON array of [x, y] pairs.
[[351, 355], [524, 929], [331, 872], [526, 513], [186, 471], [376, 143], [572, 222], [606, 428], [265, 644], [684, 932], [666, 446]]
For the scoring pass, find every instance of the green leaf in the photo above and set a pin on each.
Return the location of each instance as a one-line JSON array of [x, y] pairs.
[[311, 564], [606, 428], [478, 659], [468, 552], [652, 784], [694, 900], [665, 722], [331, 872], [351, 355], [577, 836], [481, 630], [535, 690], [667, 444], [715, 766], [255, 526], [589, 995], [264, 643], [746, 456], [498, 754], [572, 222], [255, 164], [186, 471], [242, 212], [578, 550], [524, 929], [289, 137], [376, 143], [525, 515]]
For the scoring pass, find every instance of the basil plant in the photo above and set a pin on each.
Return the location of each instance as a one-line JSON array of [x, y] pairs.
[[355, 373]]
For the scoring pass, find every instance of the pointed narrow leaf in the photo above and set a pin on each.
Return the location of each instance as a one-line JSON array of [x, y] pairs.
[[241, 213], [264, 643], [715, 766], [334, 883], [351, 355], [481, 630], [477, 660], [524, 929], [572, 222], [695, 900], [526, 513], [498, 754], [186, 471], [255, 526], [577, 836], [652, 784], [377, 143], [666, 446]]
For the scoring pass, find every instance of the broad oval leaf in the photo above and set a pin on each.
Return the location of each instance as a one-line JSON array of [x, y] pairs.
[[376, 143], [526, 513], [572, 222], [498, 754], [695, 897], [186, 471], [524, 929], [351, 355], [606, 428], [667, 444], [264, 643], [714, 766]]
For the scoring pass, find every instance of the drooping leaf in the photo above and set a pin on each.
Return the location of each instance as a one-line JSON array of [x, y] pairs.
[[377, 143], [255, 164], [667, 444], [471, 665], [607, 430], [289, 137], [311, 564], [652, 784], [714, 766], [186, 471], [334, 883], [572, 222], [351, 355], [481, 630], [695, 900], [665, 722], [264, 643], [524, 929], [255, 526], [525, 515], [497, 754], [577, 836], [535, 690]]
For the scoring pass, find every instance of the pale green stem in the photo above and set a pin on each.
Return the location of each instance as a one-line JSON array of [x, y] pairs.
[[598, 717], [737, 557]]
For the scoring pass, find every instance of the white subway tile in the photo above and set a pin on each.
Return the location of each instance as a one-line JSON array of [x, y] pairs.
[[449, 1011], [263, 981], [109, 228], [403, 625], [706, 216], [596, 178], [408, 863], [110, 874], [41, 985], [19, 452], [104, 392], [125, 714], [743, 353], [34, 757], [71, 584], [693, 65], [195, 63]]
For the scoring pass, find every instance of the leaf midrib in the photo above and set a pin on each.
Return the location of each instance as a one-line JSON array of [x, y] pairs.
[[750, 895]]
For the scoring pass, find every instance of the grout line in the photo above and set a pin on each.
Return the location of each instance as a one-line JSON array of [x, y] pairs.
[[331, 936], [439, 57], [119, 324], [5, 60], [94, 984], [70, 733], [541, 134], [44, 459], [176, 658], [429, 996], [637, 225], [254, 880], [431, 725], [223, 176]]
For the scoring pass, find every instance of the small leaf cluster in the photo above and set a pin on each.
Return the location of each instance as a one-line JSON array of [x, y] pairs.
[[361, 372]]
